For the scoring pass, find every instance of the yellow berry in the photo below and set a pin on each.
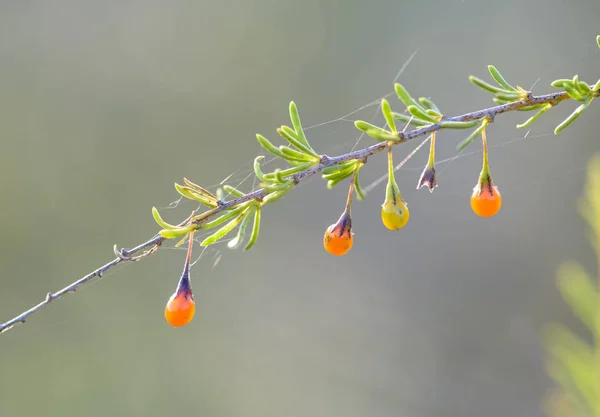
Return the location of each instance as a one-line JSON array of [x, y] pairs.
[[394, 211], [394, 214]]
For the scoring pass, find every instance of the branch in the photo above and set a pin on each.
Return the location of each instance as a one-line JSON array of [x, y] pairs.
[[306, 162], [152, 245], [122, 256]]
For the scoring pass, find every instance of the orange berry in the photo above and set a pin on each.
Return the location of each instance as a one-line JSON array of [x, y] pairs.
[[181, 306], [338, 237], [486, 199], [180, 309]]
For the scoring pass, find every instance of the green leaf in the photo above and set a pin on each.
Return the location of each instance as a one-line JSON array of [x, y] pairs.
[[276, 177], [574, 93], [177, 231], [598, 40], [335, 179], [299, 164], [189, 193], [404, 96], [219, 234], [387, 114], [499, 78], [335, 168], [465, 142], [482, 84], [229, 214], [436, 115], [274, 196], [449, 124], [255, 229], [509, 97], [295, 118], [360, 194], [288, 171], [237, 241], [257, 170], [583, 88], [428, 104], [536, 116], [579, 292], [578, 112], [410, 119], [418, 113], [334, 182], [338, 176], [294, 155], [270, 187], [234, 192], [200, 190], [291, 132], [160, 221], [185, 191], [376, 132], [287, 133], [342, 172], [562, 83], [268, 146]]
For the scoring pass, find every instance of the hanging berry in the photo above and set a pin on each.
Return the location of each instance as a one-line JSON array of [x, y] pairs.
[[181, 306], [394, 211], [486, 199], [339, 237]]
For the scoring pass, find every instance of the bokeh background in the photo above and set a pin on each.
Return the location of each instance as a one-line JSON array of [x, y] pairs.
[[104, 105]]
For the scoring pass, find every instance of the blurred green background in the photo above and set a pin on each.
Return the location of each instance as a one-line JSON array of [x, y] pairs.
[[104, 105]]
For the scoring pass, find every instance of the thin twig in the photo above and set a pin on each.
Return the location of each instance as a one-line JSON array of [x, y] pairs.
[[150, 246]]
